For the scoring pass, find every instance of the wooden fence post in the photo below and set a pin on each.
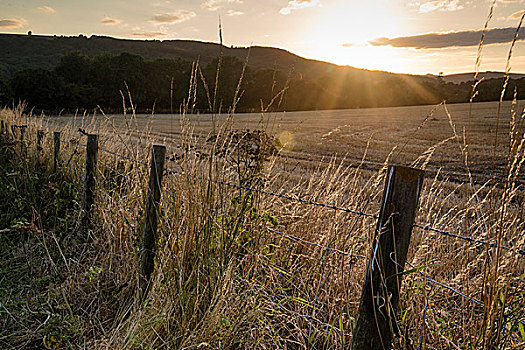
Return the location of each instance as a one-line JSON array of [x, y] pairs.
[[380, 296], [88, 195], [56, 142], [149, 239]]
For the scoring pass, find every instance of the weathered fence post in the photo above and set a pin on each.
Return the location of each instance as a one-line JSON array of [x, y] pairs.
[[56, 142], [149, 239], [88, 195], [380, 296]]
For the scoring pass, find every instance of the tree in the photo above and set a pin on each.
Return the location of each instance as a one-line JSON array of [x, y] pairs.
[[74, 67], [39, 87], [5, 93]]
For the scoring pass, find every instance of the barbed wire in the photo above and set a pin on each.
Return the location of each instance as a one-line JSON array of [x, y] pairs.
[[468, 239], [433, 281], [129, 178], [123, 156], [347, 210], [280, 304], [304, 201], [323, 205], [295, 238], [456, 177], [301, 240], [280, 195]]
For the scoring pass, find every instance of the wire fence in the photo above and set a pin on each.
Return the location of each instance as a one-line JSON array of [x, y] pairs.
[[425, 227], [323, 205], [296, 238], [333, 207], [303, 241]]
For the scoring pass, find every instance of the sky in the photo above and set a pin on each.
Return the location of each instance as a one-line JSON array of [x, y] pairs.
[[402, 36]]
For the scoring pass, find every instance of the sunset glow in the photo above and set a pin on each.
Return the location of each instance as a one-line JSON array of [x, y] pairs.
[[399, 35]]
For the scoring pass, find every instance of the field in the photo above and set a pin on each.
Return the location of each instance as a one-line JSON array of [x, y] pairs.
[[261, 264], [403, 134]]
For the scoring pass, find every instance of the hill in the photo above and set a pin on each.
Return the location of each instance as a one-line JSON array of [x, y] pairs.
[[58, 73], [466, 77], [37, 51]]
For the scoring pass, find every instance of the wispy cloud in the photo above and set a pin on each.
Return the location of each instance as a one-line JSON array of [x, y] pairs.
[[108, 21], [148, 34], [161, 3], [440, 5], [173, 17], [214, 5], [297, 5], [234, 13], [12, 23], [451, 39], [47, 9], [516, 15]]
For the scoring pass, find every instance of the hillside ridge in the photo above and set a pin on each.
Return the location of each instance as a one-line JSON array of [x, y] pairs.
[[21, 51]]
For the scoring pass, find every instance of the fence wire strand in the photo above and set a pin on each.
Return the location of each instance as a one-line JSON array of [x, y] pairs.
[[310, 202]]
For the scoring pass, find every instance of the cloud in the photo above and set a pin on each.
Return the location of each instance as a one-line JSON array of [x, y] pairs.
[[47, 9], [451, 39], [12, 23], [148, 34], [214, 5], [440, 5], [108, 21], [297, 5], [173, 17], [516, 15], [235, 13]]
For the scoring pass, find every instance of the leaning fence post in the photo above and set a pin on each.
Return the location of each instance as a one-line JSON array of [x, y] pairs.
[[56, 142], [88, 195], [147, 253], [380, 296]]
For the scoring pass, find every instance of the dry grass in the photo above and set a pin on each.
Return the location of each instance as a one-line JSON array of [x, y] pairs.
[[224, 280]]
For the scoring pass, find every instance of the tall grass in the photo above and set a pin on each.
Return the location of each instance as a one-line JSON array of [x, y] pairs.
[[226, 277]]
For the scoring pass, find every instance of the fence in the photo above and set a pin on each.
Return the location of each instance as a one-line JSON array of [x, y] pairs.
[[385, 265]]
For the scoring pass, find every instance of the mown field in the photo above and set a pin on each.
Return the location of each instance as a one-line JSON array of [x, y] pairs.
[[401, 134]]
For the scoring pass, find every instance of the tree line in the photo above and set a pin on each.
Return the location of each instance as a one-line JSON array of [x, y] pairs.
[[79, 82]]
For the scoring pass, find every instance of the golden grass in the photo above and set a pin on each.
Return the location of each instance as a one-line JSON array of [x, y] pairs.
[[223, 283], [224, 278]]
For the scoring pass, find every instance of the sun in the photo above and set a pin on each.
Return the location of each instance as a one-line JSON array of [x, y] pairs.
[[343, 31]]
